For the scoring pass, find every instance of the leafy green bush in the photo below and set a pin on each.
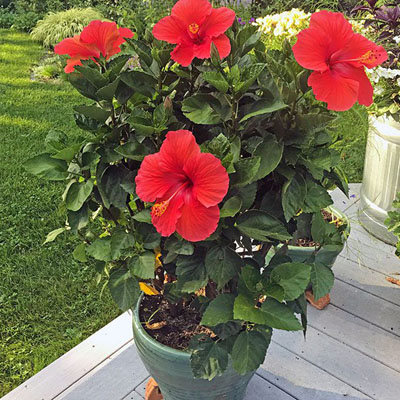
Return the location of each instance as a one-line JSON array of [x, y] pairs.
[[25, 21], [55, 27], [6, 18]]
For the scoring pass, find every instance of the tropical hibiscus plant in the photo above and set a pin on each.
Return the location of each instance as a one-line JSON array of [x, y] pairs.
[[200, 156]]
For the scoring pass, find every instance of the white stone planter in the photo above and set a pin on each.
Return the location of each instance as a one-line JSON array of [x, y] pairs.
[[381, 180]]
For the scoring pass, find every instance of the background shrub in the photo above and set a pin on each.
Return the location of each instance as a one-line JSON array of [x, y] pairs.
[[25, 21], [6, 18], [55, 27]]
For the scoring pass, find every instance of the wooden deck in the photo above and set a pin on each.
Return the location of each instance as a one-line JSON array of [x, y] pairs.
[[352, 350]]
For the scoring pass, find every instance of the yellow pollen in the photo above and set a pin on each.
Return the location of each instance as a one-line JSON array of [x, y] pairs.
[[194, 28], [159, 208], [368, 57]]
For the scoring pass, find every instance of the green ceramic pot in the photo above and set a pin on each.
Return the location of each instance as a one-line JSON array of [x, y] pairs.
[[327, 255], [172, 372]]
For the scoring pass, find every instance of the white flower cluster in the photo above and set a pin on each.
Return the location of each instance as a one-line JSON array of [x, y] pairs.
[[287, 24], [386, 73]]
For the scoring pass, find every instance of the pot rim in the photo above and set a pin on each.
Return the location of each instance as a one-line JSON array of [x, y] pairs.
[[144, 336]]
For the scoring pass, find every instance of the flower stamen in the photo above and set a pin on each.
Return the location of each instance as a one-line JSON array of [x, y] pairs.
[[194, 28], [159, 208]]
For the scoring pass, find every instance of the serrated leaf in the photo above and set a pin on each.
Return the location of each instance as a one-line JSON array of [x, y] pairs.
[[217, 80], [249, 351], [100, 249], [322, 280], [293, 195], [179, 246], [121, 241], [77, 194], [143, 265], [191, 273], [132, 150], [293, 278], [143, 216], [231, 207], [220, 310], [77, 220], [279, 316], [208, 359], [246, 171], [79, 253], [263, 106], [202, 109], [261, 226], [222, 264], [124, 289], [94, 112], [47, 167], [317, 197], [270, 153]]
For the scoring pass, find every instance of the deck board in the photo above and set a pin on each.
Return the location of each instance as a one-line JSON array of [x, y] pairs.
[[351, 351]]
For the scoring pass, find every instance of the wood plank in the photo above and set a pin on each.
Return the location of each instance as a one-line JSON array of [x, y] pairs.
[[366, 306], [365, 278], [358, 334], [113, 381], [258, 389], [133, 396], [341, 202], [356, 369], [65, 371], [302, 379]]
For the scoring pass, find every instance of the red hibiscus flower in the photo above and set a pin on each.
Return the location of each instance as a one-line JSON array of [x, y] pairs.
[[186, 186], [193, 25], [98, 38], [338, 57]]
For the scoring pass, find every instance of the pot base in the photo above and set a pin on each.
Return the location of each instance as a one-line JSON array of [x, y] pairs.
[[153, 391], [319, 304]]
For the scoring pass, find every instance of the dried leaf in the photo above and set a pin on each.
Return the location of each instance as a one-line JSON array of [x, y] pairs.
[[156, 325], [147, 289]]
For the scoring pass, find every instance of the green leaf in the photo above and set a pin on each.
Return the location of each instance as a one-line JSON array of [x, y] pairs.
[[83, 86], [263, 106], [109, 185], [293, 278], [261, 226], [77, 220], [191, 273], [322, 280], [79, 253], [244, 309], [107, 92], [120, 241], [222, 264], [270, 153], [142, 126], [77, 194], [133, 150], [321, 230], [217, 80], [279, 316], [231, 207], [219, 311], [317, 197], [293, 195], [51, 236], [44, 166], [249, 351], [94, 112], [179, 246], [124, 289], [202, 109], [100, 249], [143, 265], [208, 359], [141, 82], [93, 75], [246, 171], [143, 216], [68, 153], [248, 77]]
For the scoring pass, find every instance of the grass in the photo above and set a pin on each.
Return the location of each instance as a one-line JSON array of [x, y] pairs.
[[48, 302]]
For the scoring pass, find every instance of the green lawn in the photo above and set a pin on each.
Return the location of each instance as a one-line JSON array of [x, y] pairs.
[[48, 302]]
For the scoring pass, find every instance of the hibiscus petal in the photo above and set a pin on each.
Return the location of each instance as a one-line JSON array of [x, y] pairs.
[[203, 50], [359, 47], [196, 221], [210, 179], [183, 54], [166, 223], [217, 22], [75, 47], [178, 147], [223, 45], [311, 49], [101, 33], [365, 90], [169, 29], [191, 11], [335, 26], [151, 182], [339, 92], [71, 64]]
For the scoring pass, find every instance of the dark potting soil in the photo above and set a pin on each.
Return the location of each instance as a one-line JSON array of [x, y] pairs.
[[308, 242], [169, 325]]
